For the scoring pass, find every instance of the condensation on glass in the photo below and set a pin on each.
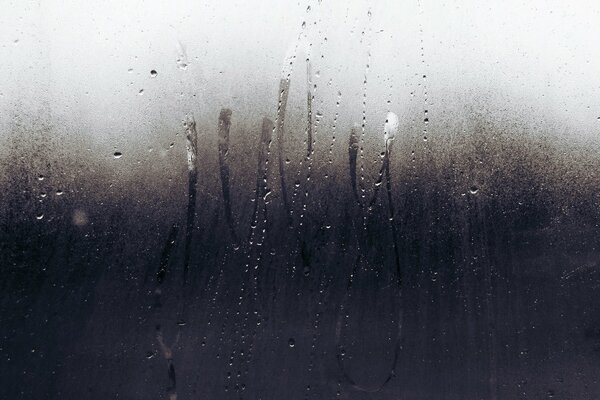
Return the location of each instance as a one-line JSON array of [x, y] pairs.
[[305, 200]]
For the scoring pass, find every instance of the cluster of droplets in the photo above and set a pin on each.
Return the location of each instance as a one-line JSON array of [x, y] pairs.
[[423, 65], [43, 195]]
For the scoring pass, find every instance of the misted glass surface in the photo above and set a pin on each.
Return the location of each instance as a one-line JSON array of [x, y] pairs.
[[301, 200]]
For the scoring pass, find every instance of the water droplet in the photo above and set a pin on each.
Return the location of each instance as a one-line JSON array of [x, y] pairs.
[[473, 190], [291, 342], [181, 64], [39, 216], [118, 154], [40, 178], [59, 192], [153, 73], [141, 92], [390, 128]]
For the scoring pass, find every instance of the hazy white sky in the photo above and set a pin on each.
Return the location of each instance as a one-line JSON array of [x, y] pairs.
[[88, 63]]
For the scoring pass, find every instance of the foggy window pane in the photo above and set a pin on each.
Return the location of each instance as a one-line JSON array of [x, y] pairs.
[[300, 200]]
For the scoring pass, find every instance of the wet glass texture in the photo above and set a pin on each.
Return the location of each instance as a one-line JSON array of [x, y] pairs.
[[304, 200]]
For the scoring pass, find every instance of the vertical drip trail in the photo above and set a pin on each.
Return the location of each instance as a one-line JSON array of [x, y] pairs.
[[282, 99], [284, 88], [392, 215], [306, 161], [261, 190], [364, 110], [334, 128], [223, 138], [356, 146], [309, 109], [424, 66], [304, 234], [192, 155], [309, 129], [353, 145], [244, 339], [391, 128], [166, 254]]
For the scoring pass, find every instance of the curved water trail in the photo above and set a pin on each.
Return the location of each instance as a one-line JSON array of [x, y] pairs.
[[390, 130]]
